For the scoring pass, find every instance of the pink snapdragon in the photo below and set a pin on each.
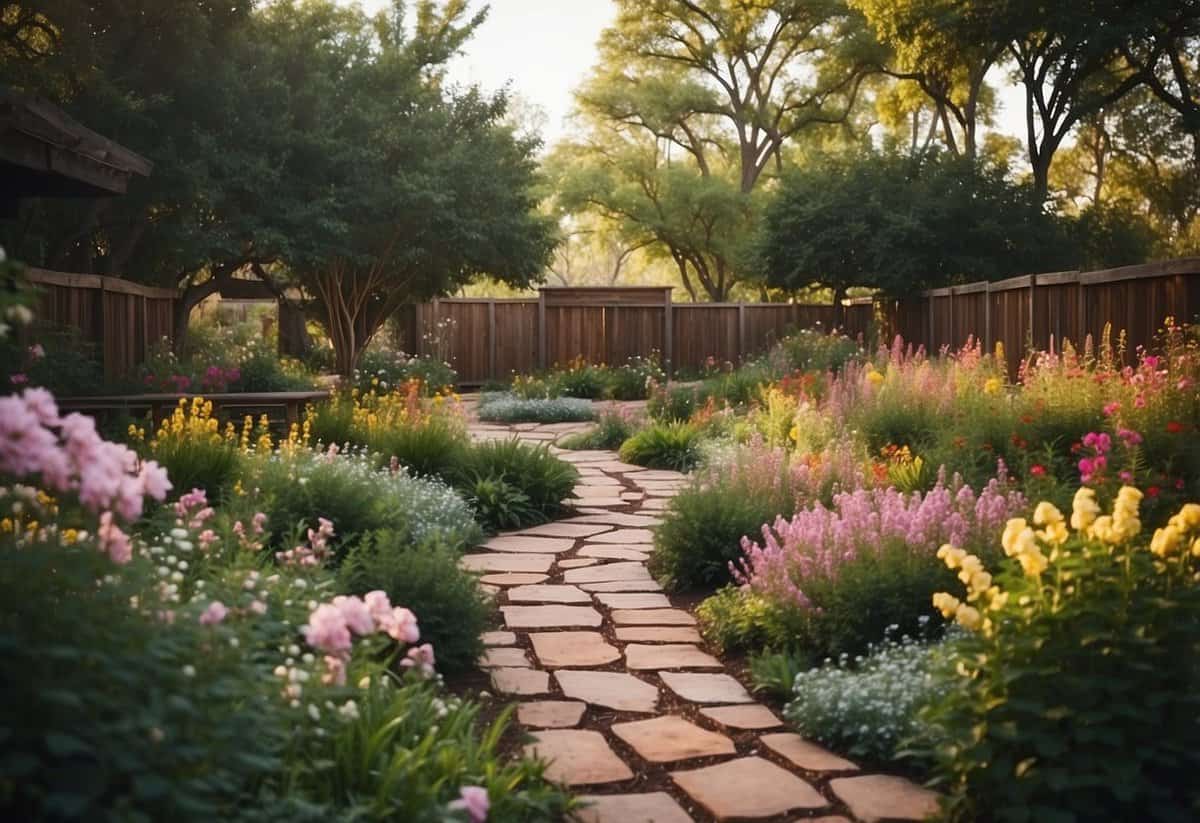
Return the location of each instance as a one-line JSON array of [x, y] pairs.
[[474, 801], [332, 626], [315, 552], [420, 658]]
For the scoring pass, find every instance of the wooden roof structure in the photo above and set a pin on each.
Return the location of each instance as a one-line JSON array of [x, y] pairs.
[[46, 153]]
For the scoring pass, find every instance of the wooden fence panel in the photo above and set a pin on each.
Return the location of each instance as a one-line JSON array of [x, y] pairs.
[[703, 330], [516, 338], [632, 331], [574, 331]]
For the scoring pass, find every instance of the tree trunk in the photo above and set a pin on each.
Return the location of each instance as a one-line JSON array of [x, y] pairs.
[[839, 311]]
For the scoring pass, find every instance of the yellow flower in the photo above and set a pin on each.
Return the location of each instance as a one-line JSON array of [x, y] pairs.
[[874, 377], [1017, 537], [1196, 547], [1166, 541], [1046, 514], [69, 536], [946, 603], [951, 556], [1188, 517], [968, 616], [1084, 509], [979, 584], [1033, 562], [993, 385], [1125, 513], [1102, 529]]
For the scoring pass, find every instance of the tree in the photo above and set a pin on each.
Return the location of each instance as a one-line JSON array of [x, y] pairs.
[[902, 224], [692, 103]]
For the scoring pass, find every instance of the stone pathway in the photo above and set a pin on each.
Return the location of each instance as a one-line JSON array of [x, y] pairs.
[[613, 683]]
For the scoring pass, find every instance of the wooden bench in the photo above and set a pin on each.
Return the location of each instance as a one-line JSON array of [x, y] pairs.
[[162, 405]]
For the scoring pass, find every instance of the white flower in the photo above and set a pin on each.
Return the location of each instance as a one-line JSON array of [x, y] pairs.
[[179, 534], [314, 712], [189, 671]]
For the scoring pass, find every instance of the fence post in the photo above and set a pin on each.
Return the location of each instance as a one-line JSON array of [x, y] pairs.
[[541, 324], [492, 339], [669, 335], [987, 317], [741, 332]]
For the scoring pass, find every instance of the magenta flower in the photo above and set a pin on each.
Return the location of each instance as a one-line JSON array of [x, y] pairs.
[[474, 801]]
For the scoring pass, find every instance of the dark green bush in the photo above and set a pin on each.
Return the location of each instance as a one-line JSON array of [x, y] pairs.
[[702, 531], [813, 350], [198, 463], [736, 620], [613, 428], [426, 578], [332, 422], [544, 479], [498, 504], [432, 448], [668, 404], [663, 446]]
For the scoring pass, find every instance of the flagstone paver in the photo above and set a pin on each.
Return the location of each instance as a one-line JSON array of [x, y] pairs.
[[705, 688], [875, 797], [748, 787], [671, 738], [806, 755], [550, 714], [578, 758], [616, 690], [657, 634], [525, 544], [548, 593], [548, 617], [669, 656], [501, 562], [582, 614], [743, 717], [557, 650], [650, 807]]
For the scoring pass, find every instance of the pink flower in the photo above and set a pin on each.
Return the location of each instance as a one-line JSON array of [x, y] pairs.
[[113, 540], [206, 539], [420, 658], [154, 480], [1129, 436], [335, 671], [1111, 408], [36, 351], [1087, 468], [18, 379], [327, 631], [474, 801], [357, 615], [259, 520], [401, 625], [214, 614], [258, 607], [379, 606]]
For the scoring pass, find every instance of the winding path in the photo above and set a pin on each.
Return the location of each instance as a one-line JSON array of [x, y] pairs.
[[615, 686]]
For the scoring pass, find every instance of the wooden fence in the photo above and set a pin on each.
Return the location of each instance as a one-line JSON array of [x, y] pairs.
[[121, 319], [490, 339]]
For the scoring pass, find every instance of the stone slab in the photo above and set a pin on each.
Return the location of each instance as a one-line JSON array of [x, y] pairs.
[[550, 714], [578, 757], [808, 756], [522, 544], [503, 656], [502, 562], [747, 787], [577, 562], [513, 579], [549, 617], [753, 716], [706, 688], [564, 530], [619, 600], [520, 681], [670, 739], [633, 521], [548, 593], [606, 572], [614, 690], [669, 656], [875, 797], [624, 536], [498, 638], [658, 634], [644, 585], [651, 807], [599, 502], [613, 553], [562, 649], [653, 617]]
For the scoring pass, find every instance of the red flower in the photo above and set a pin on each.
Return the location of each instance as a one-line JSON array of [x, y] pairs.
[[1153, 491], [1037, 470], [1174, 427]]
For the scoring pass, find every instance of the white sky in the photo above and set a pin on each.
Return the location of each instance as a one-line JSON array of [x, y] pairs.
[[544, 48]]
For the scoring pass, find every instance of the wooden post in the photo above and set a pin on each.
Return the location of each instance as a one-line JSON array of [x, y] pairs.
[[492, 339], [541, 327], [741, 332], [987, 318], [669, 335], [950, 318]]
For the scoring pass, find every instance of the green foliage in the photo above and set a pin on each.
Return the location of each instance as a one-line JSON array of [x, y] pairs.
[[673, 403], [702, 530], [59, 361], [402, 758], [198, 463], [543, 479], [814, 350], [775, 672], [498, 504], [737, 620], [430, 448], [384, 369], [580, 380], [332, 422], [502, 407], [867, 706], [1078, 700], [613, 427], [424, 577], [663, 446], [99, 714]]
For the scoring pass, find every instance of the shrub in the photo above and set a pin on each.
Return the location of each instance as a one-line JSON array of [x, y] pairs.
[[332, 422], [814, 350], [427, 579], [261, 370], [193, 450], [498, 504], [508, 408], [867, 706], [613, 427], [60, 361], [1074, 695], [431, 447], [580, 379], [702, 528], [663, 446], [635, 379], [532, 470], [385, 369], [674, 403], [734, 620]]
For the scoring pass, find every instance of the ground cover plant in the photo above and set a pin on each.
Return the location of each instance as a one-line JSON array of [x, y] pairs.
[[613, 427], [238, 677], [506, 407]]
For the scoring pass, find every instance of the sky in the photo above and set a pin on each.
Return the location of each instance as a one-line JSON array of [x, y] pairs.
[[544, 48]]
